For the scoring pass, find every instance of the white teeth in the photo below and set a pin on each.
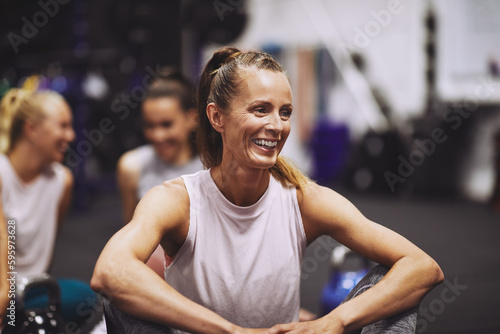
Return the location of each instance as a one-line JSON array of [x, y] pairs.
[[266, 143]]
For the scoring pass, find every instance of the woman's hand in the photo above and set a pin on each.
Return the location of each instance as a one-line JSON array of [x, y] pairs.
[[305, 315], [319, 326], [241, 330]]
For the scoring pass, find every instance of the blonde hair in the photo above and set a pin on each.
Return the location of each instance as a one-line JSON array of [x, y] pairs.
[[18, 106], [220, 83]]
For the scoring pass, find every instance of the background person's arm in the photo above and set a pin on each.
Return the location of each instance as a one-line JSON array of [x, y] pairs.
[[128, 172], [66, 197]]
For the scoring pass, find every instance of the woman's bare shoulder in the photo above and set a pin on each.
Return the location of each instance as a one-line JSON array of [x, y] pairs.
[[324, 210], [167, 202], [129, 162]]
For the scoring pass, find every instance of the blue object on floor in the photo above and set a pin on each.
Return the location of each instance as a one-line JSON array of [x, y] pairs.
[[341, 281]]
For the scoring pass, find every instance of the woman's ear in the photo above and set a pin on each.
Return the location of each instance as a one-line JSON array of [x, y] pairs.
[[215, 117], [29, 128]]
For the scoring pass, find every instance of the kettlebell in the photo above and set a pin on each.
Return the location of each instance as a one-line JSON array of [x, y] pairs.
[[342, 280], [44, 320]]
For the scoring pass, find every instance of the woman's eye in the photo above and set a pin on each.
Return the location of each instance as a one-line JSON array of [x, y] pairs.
[[260, 110], [166, 124], [285, 113]]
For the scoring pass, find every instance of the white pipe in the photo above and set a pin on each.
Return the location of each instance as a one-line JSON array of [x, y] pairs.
[[354, 80]]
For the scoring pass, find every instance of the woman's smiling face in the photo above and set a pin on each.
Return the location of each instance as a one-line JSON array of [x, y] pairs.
[[167, 127], [53, 134], [258, 121]]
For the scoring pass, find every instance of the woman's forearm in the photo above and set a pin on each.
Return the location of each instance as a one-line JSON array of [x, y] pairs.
[[137, 290], [403, 288], [122, 275]]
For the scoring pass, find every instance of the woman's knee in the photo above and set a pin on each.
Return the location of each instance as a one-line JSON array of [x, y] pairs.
[[374, 276]]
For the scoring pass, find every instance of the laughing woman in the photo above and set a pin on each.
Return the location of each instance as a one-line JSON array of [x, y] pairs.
[[35, 188], [237, 231], [169, 125]]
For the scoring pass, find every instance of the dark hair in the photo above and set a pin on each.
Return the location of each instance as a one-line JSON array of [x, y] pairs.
[[219, 83], [172, 83]]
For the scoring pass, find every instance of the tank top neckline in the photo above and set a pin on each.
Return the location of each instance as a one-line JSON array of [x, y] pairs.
[[20, 182], [250, 209], [17, 179]]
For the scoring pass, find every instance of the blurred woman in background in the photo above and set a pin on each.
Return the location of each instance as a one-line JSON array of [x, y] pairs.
[[169, 125], [35, 188]]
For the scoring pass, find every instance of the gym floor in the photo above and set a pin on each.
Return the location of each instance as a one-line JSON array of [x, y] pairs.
[[462, 237]]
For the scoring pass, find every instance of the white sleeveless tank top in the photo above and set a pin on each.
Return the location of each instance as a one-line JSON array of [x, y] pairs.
[[154, 170], [243, 263], [34, 208]]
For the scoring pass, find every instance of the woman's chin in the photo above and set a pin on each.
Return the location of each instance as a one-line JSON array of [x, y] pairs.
[[168, 157], [265, 163], [58, 157]]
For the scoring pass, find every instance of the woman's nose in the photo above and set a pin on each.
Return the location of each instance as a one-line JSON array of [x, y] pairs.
[[275, 123], [70, 135], [158, 134]]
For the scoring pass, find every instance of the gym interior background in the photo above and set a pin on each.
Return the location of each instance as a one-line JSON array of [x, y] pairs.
[[398, 108]]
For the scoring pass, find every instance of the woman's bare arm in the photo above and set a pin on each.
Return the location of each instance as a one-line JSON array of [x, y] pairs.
[[120, 271], [412, 272], [128, 172], [66, 197]]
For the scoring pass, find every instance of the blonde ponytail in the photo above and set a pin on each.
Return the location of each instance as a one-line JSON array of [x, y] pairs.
[[8, 106], [289, 175]]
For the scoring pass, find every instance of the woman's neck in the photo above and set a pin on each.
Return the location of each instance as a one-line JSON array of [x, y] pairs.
[[26, 163], [242, 187], [181, 159]]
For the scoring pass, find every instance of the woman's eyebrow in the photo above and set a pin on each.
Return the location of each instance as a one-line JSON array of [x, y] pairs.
[[267, 103], [259, 102]]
